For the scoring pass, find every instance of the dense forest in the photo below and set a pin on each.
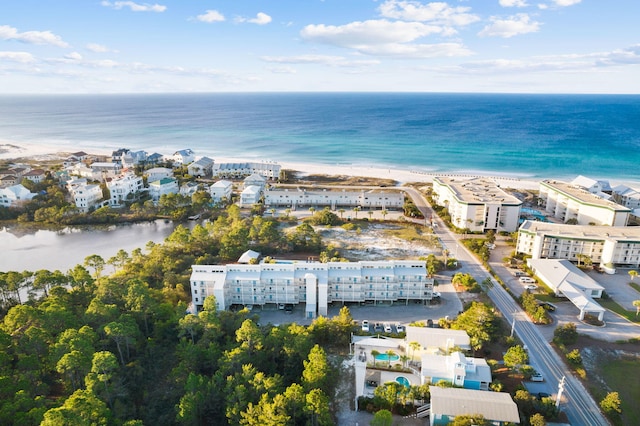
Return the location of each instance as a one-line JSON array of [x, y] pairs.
[[110, 342]]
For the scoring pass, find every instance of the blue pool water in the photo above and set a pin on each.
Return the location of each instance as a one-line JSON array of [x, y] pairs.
[[403, 381], [526, 211], [385, 357]]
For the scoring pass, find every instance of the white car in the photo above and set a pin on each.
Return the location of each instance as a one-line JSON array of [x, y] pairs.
[[526, 280], [387, 327], [365, 325], [400, 328], [537, 377], [530, 287]]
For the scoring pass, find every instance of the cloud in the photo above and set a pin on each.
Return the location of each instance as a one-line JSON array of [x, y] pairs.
[[334, 61], [99, 48], [21, 57], [260, 19], [513, 3], [564, 3], [436, 12], [512, 26], [282, 70], [31, 37], [75, 56], [211, 16], [135, 7]]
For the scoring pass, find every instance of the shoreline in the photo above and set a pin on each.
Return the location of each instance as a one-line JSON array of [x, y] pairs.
[[42, 152]]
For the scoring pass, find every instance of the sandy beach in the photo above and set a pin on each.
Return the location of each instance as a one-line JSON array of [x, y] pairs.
[[37, 152]]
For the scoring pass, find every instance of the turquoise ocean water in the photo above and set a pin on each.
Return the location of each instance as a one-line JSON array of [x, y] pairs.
[[526, 136]]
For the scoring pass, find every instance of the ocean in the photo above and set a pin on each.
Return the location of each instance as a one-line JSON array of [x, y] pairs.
[[522, 136]]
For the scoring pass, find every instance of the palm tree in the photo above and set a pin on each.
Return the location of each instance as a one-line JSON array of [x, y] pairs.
[[341, 213], [636, 303], [288, 212], [312, 210], [374, 354], [414, 346], [273, 212], [390, 354], [370, 213], [633, 274], [404, 359], [384, 214], [356, 210]]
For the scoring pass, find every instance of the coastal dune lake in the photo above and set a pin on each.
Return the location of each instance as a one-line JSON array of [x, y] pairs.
[[32, 249]]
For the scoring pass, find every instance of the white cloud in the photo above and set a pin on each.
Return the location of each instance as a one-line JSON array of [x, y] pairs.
[[564, 3], [436, 12], [513, 3], [512, 26], [260, 19], [31, 37], [282, 70], [337, 61], [211, 16], [135, 7], [21, 57], [99, 48], [75, 56]]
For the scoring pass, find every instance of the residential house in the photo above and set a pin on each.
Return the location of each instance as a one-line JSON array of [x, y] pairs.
[[221, 191], [131, 159], [449, 403], [79, 156], [86, 196], [116, 156], [627, 196], [457, 369], [158, 173], [567, 280], [567, 202], [154, 159], [15, 195], [250, 196], [183, 157], [201, 167], [162, 187], [254, 180], [35, 175], [123, 188], [382, 199], [268, 170], [477, 204], [437, 340], [189, 188], [8, 180], [601, 188]]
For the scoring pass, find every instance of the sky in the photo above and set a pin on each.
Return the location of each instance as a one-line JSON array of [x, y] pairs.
[[504, 46]]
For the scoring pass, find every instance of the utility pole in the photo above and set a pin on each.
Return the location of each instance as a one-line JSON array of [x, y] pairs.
[[560, 389], [513, 324]]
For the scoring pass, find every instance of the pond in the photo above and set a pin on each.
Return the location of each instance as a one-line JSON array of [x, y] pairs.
[[25, 249]]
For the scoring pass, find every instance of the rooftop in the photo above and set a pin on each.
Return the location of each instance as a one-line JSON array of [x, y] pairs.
[[477, 190], [615, 233], [457, 402], [581, 195]]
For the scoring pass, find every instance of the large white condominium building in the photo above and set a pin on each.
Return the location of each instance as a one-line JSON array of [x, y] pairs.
[[268, 170], [606, 246], [566, 201], [312, 283], [383, 199], [478, 204]]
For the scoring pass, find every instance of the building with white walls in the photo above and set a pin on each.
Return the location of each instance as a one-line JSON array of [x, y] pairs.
[[250, 196], [606, 246], [182, 157], [477, 204], [314, 284], [268, 170], [158, 173], [221, 190], [85, 196], [124, 187], [201, 167], [162, 187], [15, 195], [300, 197], [626, 196], [565, 201]]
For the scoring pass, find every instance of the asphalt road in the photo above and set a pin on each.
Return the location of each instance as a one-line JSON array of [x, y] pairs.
[[576, 402]]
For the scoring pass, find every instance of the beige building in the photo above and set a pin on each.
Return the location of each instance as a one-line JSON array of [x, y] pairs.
[[382, 199], [565, 201], [478, 204]]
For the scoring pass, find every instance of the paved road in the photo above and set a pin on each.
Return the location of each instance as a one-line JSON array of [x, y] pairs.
[[577, 403]]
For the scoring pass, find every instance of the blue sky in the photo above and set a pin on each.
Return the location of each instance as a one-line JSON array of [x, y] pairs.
[[521, 46]]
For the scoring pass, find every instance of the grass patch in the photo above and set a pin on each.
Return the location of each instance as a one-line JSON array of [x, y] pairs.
[[635, 286], [613, 306], [616, 374], [411, 233]]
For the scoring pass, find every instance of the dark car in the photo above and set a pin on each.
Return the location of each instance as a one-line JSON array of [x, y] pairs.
[[378, 328], [541, 395], [548, 306], [288, 308]]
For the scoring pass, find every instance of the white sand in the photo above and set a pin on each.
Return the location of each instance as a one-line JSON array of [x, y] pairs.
[[10, 150]]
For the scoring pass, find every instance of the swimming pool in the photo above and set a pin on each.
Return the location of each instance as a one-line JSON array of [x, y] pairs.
[[537, 214], [403, 381], [385, 357]]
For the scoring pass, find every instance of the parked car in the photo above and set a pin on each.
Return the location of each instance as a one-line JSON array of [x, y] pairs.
[[281, 306], [365, 325], [387, 328], [548, 306], [436, 294], [378, 328], [530, 287], [537, 377], [400, 328], [288, 308], [541, 395], [526, 280]]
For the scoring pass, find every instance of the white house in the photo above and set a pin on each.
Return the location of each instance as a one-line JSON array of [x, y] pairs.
[[477, 204], [220, 190], [457, 369], [132, 158], [601, 188], [158, 173], [565, 279], [312, 283], [606, 246], [189, 188], [35, 175], [86, 196], [565, 202], [300, 197], [162, 187], [269, 170], [437, 340], [626, 196], [250, 195], [15, 195], [123, 188], [254, 180], [201, 167], [183, 157]]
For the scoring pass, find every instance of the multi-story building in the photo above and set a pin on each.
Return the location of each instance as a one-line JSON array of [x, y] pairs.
[[86, 196], [565, 202], [607, 246], [162, 187], [123, 188], [627, 196], [268, 170], [14, 196], [250, 196], [183, 157], [477, 204], [221, 190], [314, 284], [383, 199], [201, 167], [158, 173]]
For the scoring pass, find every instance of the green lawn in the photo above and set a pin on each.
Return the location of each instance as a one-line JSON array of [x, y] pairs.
[[620, 376], [613, 306]]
